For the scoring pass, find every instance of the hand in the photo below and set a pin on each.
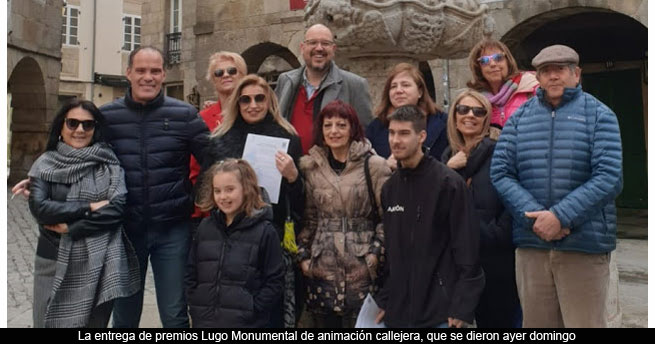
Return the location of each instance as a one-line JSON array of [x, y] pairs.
[[452, 322], [457, 161], [97, 205], [304, 267], [286, 166], [60, 228], [208, 103], [22, 187], [378, 319], [563, 233], [392, 162], [372, 265], [546, 225]]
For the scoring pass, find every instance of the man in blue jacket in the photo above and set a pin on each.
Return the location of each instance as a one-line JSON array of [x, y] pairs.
[[557, 167], [153, 137]]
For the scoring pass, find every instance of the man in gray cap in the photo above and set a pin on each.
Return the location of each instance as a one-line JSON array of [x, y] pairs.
[[557, 167]]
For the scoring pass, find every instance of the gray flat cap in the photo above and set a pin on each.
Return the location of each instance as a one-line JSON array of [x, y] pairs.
[[555, 54]]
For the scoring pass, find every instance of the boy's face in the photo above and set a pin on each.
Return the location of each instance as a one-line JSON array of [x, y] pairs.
[[404, 141], [228, 193]]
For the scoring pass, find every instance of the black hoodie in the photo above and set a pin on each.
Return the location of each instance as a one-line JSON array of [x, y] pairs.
[[431, 239], [235, 273]]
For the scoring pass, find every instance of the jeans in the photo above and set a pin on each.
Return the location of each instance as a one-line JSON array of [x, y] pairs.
[[167, 245]]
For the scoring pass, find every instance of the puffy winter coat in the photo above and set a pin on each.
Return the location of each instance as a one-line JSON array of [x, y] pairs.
[[338, 231], [153, 143], [567, 160]]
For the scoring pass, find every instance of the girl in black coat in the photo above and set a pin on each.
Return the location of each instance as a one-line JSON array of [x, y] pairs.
[[235, 272], [470, 155]]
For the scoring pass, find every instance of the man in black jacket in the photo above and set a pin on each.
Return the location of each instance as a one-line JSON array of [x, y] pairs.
[[153, 136], [432, 276]]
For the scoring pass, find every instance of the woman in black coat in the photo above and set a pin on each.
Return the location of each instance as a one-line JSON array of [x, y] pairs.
[[253, 109], [470, 155]]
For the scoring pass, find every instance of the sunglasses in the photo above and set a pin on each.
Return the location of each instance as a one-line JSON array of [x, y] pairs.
[[73, 124], [463, 110], [230, 71], [485, 60], [246, 99]]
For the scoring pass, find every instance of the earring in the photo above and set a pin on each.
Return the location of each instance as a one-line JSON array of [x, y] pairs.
[[59, 137]]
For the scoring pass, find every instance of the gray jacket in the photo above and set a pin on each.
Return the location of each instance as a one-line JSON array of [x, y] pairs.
[[338, 84]]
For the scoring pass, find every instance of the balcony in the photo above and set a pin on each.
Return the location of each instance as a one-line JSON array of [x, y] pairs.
[[174, 48]]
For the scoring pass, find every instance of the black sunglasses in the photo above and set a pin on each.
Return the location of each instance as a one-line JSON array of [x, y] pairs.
[[246, 99], [73, 124], [477, 111], [230, 71]]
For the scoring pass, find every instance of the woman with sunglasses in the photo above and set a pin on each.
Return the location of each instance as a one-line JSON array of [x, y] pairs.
[[253, 108], [77, 195], [496, 75], [224, 71], [469, 155], [405, 86], [341, 241]]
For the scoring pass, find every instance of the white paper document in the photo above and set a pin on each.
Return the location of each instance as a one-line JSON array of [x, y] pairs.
[[368, 313], [260, 153]]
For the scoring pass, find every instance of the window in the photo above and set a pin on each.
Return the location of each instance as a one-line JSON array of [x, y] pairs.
[[70, 17], [176, 16], [132, 32]]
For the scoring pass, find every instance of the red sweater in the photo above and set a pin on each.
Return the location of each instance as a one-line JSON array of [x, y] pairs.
[[302, 119], [212, 117]]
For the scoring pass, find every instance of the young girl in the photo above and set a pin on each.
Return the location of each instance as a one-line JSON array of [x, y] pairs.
[[235, 271]]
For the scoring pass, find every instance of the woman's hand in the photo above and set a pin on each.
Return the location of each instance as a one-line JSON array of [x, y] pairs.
[[392, 162], [22, 187], [60, 228], [372, 265], [457, 161], [97, 205], [286, 166], [304, 267]]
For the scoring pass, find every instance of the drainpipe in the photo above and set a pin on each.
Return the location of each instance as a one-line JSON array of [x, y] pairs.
[[446, 84], [93, 54]]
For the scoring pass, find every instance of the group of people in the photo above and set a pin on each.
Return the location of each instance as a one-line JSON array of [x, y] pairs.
[[499, 213]]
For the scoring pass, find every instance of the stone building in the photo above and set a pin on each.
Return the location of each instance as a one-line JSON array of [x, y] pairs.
[[610, 35], [97, 37], [33, 67]]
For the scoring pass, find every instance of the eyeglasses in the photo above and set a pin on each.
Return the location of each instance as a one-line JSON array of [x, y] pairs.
[[463, 110], [230, 71], [485, 60], [73, 124], [246, 99], [312, 43]]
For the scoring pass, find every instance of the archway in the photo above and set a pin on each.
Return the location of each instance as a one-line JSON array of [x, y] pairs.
[[278, 60], [613, 49], [28, 123]]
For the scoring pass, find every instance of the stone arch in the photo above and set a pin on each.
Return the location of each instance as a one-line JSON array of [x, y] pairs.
[[29, 116], [271, 53], [424, 67]]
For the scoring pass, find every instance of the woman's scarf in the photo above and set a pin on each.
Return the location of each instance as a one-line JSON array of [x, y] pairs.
[[506, 91], [95, 269]]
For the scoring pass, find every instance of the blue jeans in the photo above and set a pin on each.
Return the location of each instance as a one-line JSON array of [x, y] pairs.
[[167, 245]]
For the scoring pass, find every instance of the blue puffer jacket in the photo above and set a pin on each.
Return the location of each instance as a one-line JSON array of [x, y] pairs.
[[567, 160], [153, 143]]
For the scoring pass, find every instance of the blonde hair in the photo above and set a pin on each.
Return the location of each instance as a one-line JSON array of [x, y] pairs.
[[252, 198], [239, 62], [455, 138], [479, 83], [425, 103], [231, 110]]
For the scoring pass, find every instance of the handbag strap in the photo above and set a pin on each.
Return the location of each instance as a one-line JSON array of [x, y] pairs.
[[371, 195]]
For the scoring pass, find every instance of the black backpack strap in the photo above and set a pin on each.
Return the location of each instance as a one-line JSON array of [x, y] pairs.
[[371, 195]]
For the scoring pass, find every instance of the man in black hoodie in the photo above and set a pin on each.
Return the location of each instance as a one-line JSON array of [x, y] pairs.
[[432, 276]]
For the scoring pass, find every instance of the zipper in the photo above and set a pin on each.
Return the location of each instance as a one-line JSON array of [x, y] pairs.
[[144, 164], [550, 160], [411, 278]]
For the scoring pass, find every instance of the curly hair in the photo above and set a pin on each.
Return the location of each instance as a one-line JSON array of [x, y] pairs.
[[252, 198]]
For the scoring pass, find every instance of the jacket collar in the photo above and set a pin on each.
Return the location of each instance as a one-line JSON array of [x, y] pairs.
[[420, 169], [333, 76], [154, 103], [569, 94]]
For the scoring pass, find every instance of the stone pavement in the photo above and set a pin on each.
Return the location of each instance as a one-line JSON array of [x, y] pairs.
[[632, 258]]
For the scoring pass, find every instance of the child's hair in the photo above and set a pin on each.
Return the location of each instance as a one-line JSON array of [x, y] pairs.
[[252, 198]]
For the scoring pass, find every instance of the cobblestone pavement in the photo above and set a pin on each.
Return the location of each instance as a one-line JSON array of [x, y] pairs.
[[632, 258]]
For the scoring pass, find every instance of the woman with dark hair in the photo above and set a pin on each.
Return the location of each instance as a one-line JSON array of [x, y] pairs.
[[496, 75], [405, 86], [83, 261], [253, 108], [341, 241], [469, 155]]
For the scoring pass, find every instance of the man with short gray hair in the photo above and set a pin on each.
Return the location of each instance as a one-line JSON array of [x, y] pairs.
[[557, 167]]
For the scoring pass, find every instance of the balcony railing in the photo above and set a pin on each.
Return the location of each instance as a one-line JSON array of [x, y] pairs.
[[174, 47]]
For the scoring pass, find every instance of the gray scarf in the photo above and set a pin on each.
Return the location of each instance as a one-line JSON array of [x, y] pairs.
[[98, 268]]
